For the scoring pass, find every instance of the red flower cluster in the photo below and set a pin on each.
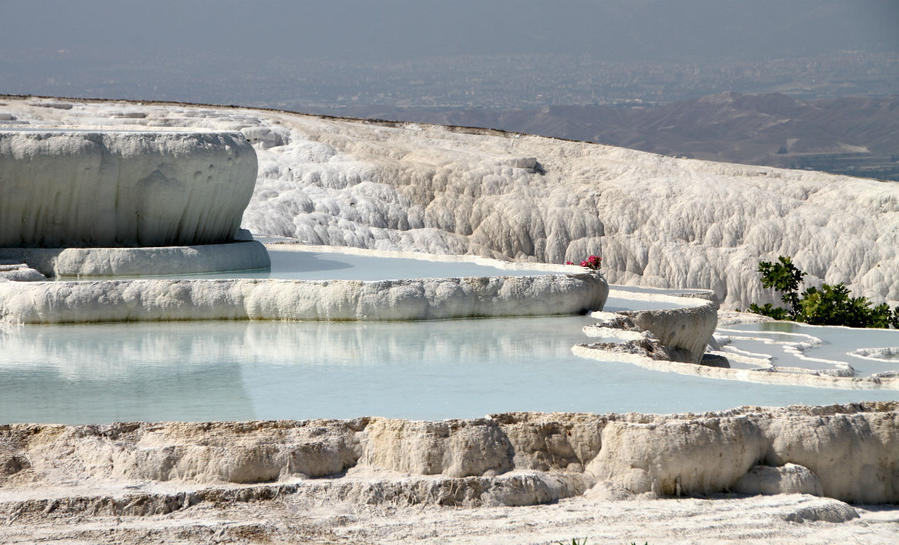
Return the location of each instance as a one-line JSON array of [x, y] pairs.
[[593, 262]]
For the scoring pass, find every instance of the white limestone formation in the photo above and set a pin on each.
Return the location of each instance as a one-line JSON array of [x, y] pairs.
[[674, 335], [846, 452], [685, 332], [19, 272], [886, 355], [657, 221], [141, 261], [153, 300], [645, 356], [83, 188], [785, 479]]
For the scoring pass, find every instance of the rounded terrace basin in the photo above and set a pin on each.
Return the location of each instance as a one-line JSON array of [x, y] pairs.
[[355, 287]]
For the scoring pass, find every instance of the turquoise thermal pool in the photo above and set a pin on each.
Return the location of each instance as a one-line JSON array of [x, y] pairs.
[[311, 265], [295, 370], [814, 347], [244, 370]]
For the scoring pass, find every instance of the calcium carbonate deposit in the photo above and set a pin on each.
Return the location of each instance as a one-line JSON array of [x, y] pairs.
[[532, 477], [657, 221], [344, 480], [154, 300], [64, 188]]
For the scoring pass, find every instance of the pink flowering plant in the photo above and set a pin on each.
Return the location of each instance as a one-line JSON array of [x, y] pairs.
[[593, 262]]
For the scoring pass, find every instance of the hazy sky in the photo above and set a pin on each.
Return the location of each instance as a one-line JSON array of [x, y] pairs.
[[462, 53], [403, 29]]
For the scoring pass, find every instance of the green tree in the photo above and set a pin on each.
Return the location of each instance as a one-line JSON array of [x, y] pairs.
[[771, 311], [784, 277], [828, 305]]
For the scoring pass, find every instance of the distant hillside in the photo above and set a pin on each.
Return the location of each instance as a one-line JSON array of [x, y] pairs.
[[858, 136]]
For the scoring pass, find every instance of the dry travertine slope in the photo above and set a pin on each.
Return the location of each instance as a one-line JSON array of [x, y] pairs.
[[657, 221], [848, 452], [375, 480]]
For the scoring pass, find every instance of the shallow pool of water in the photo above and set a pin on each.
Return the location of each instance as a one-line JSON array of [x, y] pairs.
[[836, 344], [309, 265], [276, 370], [617, 303]]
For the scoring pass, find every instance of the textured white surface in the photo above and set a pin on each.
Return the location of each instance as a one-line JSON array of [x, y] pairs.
[[19, 272], [762, 375], [850, 450], [142, 261], [116, 188], [131, 300], [685, 332], [657, 221], [785, 479]]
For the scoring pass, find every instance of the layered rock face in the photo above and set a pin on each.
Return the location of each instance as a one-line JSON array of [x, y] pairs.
[[71, 188], [685, 332], [845, 452], [149, 300]]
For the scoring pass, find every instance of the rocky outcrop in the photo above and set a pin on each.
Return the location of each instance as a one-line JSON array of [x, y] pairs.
[[148, 300], [786, 479], [19, 272], [678, 334], [685, 331], [846, 452], [68, 188]]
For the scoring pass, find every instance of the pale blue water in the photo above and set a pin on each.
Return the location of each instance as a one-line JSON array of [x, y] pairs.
[[616, 304], [276, 370], [837, 342], [293, 265]]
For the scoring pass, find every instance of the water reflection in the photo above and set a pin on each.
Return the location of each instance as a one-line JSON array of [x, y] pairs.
[[271, 370]]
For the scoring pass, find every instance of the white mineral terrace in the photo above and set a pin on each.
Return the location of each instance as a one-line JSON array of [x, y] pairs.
[[657, 221], [129, 291], [401, 298], [84, 188], [767, 352], [136, 262]]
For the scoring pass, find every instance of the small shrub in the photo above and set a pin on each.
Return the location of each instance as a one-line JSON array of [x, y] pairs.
[[771, 311], [829, 305]]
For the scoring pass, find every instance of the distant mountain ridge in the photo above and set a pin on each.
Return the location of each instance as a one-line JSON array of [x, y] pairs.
[[857, 136]]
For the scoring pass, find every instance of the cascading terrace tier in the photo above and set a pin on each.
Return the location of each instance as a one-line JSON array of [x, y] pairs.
[[118, 188], [111, 191]]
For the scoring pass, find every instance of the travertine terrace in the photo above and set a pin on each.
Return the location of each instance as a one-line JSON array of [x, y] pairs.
[[657, 221]]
